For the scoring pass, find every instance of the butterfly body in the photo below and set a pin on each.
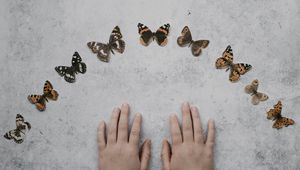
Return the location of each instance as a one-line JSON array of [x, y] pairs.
[[186, 39], [226, 62], [69, 72], [40, 100], [103, 50], [275, 115], [256, 96], [18, 134], [147, 35]]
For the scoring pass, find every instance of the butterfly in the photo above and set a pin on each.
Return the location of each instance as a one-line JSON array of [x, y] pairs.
[[103, 50], [186, 39], [69, 72], [147, 35], [236, 70], [40, 100], [256, 96], [18, 134], [280, 121]]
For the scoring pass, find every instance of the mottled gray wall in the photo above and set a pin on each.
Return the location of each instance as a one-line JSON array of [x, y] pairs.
[[37, 35]]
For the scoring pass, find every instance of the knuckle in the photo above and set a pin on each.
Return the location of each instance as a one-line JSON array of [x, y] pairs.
[[164, 156], [135, 132], [199, 131], [187, 127], [147, 155], [111, 131]]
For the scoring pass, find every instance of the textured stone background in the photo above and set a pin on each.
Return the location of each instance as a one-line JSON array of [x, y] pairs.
[[37, 35]]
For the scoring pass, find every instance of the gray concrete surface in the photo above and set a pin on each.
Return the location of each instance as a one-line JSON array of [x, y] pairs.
[[37, 35]]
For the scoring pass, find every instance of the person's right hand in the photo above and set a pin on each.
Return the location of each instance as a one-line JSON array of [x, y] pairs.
[[189, 150]]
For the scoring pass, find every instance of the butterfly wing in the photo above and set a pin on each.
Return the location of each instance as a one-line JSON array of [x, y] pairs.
[[115, 34], [198, 45], [283, 121], [21, 124], [78, 64], [161, 35], [118, 45], [252, 88], [146, 34], [226, 59], [262, 96], [115, 41], [38, 101], [67, 72], [185, 38], [249, 89], [16, 135], [49, 91], [101, 49], [275, 112], [237, 70]]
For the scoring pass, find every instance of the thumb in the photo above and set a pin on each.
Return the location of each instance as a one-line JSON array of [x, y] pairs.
[[165, 154], [145, 154]]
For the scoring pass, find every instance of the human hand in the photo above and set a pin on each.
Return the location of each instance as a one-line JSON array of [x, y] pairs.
[[189, 150], [116, 150]]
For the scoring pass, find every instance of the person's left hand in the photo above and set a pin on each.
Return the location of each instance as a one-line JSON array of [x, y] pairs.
[[117, 150]]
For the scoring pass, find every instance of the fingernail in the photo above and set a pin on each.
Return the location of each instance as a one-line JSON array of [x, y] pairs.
[[194, 109], [138, 115], [185, 103], [124, 104], [115, 109]]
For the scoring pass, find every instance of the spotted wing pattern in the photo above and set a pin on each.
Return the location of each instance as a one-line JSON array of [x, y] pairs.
[[19, 133], [275, 115], [69, 72], [236, 70], [103, 50], [40, 100]]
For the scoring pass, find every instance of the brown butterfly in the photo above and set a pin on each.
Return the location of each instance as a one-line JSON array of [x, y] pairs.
[[236, 70], [115, 44], [275, 114], [256, 96], [186, 39], [40, 100], [18, 134]]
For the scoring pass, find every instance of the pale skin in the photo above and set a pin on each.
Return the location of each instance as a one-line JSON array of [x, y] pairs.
[[119, 148]]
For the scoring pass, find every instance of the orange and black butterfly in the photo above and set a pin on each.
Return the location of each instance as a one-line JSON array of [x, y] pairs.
[[236, 70], [103, 50], [18, 134], [275, 115], [40, 100], [186, 39], [256, 96], [147, 35]]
